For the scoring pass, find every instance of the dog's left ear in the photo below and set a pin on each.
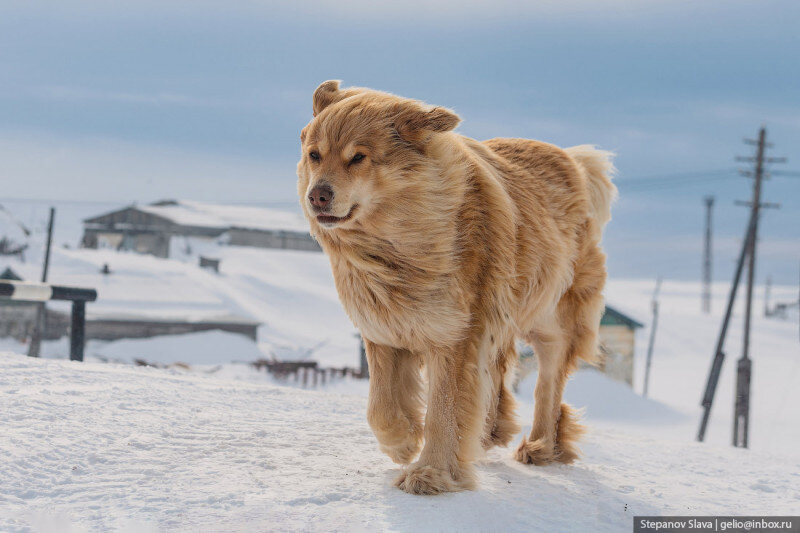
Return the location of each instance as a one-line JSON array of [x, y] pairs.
[[415, 122]]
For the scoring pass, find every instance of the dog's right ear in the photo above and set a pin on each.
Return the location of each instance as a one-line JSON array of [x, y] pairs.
[[326, 94], [329, 93]]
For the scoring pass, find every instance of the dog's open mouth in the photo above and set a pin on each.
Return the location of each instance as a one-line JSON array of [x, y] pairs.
[[330, 220]]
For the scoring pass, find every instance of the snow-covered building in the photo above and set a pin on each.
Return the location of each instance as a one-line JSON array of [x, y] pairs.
[[160, 227], [618, 344]]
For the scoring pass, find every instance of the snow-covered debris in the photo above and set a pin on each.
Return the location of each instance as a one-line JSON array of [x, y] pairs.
[[109, 447]]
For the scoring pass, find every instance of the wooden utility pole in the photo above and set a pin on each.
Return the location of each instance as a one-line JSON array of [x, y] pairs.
[[719, 354], [741, 420], [741, 415], [41, 316], [652, 342], [709, 200]]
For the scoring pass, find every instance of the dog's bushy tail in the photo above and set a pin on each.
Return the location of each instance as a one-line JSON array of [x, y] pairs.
[[598, 169]]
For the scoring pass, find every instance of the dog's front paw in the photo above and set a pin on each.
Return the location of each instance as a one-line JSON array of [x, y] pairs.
[[427, 479], [535, 452]]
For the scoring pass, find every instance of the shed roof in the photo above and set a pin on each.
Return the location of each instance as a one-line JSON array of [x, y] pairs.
[[612, 316], [220, 216]]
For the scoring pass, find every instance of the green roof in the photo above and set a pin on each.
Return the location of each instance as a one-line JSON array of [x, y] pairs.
[[613, 317]]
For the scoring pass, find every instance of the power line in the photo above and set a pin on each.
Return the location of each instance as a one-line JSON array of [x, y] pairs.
[[673, 175], [673, 181]]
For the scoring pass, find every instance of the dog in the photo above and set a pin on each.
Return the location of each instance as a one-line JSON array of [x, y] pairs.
[[444, 251]]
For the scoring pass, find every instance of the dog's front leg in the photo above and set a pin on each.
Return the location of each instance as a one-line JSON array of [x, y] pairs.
[[395, 406], [457, 407]]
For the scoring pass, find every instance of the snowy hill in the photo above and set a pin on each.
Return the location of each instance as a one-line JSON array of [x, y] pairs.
[[110, 447]]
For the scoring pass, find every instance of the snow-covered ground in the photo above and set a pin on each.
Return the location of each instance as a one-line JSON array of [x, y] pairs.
[[290, 293], [221, 446], [684, 346], [104, 447]]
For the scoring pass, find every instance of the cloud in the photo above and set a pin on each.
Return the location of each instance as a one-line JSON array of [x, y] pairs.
[[72, 94], [36, 165]]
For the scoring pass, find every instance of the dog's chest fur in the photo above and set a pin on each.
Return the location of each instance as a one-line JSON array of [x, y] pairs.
[[394, 303]]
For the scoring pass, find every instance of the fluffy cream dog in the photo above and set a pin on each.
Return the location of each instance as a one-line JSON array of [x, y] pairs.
[[444, 251]]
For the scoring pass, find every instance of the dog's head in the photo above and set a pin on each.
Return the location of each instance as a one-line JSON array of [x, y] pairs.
[[359, 150]]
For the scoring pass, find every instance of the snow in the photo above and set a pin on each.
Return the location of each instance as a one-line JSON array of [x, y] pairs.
[[290, 293], [221, 446], [684, 347], [114, 447]]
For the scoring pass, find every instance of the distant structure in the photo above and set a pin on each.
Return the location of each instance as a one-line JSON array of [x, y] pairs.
[[709, 201], [617, 346], [157, 228], [13, 235]]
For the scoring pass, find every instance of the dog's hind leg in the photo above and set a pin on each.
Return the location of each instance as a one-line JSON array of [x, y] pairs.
[[501, 422], [559, 344], [396, 403]]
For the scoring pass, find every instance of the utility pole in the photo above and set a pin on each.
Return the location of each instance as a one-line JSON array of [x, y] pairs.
[[741, 416], [41, 316], [650, 344], [767, 291], [744, 367], [719, 354], [709, 200]]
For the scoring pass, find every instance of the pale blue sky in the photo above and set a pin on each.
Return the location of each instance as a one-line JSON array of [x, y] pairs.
[[205, 100]]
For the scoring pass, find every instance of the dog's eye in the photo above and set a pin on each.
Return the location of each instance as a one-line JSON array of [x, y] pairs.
[[314, 156], [357, 158]]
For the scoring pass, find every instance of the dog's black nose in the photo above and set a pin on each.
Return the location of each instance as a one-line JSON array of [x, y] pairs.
[[321, 196]]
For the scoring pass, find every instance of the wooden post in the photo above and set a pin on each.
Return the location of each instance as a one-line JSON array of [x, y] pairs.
[[40, 325], [719, 354], [652, 342], [78, 334]]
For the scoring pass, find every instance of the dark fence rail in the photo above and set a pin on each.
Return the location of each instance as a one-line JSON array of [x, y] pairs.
[[305, 372], [43, 292]]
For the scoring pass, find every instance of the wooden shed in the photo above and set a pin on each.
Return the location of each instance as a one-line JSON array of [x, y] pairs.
[[156, 228], [618, 344]]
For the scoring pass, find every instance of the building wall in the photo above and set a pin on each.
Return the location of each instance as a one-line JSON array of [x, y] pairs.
[[618, 345], [287, 240], [17, 320], [139, 329], [132, 233]]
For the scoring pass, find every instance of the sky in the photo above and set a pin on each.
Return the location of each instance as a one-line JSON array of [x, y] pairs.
[[133, 102]]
